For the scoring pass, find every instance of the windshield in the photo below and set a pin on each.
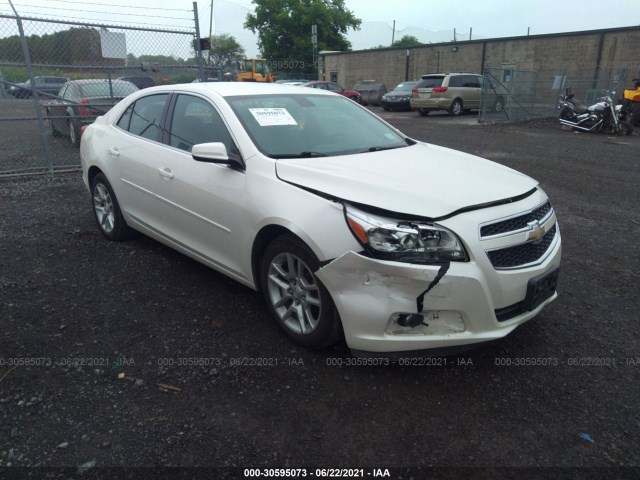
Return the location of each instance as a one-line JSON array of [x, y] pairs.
[[309, 125], [406, 87]]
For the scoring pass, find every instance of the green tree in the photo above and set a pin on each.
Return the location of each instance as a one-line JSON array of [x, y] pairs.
[[224, 50], [284, 29], [406, 41]]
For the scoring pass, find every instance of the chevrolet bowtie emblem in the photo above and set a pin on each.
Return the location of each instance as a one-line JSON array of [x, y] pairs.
[[537, 231]]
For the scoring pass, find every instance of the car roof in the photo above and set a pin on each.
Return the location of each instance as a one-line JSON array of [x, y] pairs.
[[448, 73], [87, 81], [232, 89]]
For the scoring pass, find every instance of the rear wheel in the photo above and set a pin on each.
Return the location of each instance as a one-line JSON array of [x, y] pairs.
[[423, 112], [107, 211], [456, 108], [300, 304]]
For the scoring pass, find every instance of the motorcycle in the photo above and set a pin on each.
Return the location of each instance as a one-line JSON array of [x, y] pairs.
[[602, 116]]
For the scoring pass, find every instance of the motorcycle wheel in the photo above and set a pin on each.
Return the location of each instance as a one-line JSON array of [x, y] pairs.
[[625, 129]]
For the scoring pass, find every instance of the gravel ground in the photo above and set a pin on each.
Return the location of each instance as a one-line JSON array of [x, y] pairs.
[[210, 382]]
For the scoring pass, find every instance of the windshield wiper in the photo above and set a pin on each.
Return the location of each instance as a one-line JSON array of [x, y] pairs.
[[298, 155], [379, 148]]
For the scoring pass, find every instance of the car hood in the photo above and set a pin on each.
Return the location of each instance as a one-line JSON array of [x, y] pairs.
[[423, 179]]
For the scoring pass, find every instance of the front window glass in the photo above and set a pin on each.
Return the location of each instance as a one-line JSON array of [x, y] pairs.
[[334, 88], [308, 125], [196, 121]]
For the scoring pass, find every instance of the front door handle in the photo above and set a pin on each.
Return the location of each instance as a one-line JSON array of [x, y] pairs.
[[166, 173]]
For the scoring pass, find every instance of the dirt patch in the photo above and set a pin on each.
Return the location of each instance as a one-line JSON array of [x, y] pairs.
[[77, 310]]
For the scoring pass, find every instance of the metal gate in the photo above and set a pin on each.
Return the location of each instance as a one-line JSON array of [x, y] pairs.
[[41, 53]]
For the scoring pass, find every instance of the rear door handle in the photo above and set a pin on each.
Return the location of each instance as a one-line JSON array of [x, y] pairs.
[[114, 152], [166, 173]]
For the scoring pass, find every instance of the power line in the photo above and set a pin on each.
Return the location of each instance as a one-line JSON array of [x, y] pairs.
[[39, 14], [120, 6], [105, 13]]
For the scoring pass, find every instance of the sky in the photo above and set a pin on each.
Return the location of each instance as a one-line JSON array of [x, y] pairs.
[[428, 20]]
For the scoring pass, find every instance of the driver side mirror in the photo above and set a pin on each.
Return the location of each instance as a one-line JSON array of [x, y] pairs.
[[216, 152]]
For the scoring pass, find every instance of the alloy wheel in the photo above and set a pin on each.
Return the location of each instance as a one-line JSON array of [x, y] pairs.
[[294, 293], [103, 206]]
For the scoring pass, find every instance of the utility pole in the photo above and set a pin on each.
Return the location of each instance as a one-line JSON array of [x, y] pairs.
[[210, 32], [393, 34], [314, 43], [197, 42]]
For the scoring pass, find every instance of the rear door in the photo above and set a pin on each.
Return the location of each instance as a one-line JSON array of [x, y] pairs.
[[136, 154]]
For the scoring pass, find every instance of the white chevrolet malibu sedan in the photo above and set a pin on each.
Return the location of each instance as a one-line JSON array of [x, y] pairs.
[[348, 227]]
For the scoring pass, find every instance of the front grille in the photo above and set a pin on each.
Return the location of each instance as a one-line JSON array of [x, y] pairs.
[[516, 223], [512, 257]]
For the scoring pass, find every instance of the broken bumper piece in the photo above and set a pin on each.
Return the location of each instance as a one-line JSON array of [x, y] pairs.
[[379, 303]]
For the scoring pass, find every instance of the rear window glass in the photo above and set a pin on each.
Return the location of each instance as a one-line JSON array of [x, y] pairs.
[[120, 89], [430, 82], [456, 81]]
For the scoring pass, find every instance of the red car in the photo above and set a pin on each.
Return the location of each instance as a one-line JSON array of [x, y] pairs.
[[334, 87]]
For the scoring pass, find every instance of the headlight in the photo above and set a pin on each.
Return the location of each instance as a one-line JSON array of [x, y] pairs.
[[405, 241]]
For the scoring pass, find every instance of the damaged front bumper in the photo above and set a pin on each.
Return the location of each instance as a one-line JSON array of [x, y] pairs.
[[390, 307]]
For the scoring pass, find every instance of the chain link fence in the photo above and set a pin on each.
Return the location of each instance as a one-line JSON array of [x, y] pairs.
[[510, 95], [38, 56], [525, 94]]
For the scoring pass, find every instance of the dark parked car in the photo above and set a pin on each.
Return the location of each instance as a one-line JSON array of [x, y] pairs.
[[140, 82], [44, 85], [334, 87], [399, 97], [82, 101]]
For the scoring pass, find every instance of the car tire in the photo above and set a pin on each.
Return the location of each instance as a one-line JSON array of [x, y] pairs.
[[386, 109], [625, 129], [74, 133], [300, 304], [423, 112], [456, 108], [106, 210]]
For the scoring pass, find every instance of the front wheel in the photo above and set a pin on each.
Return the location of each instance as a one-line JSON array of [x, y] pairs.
[[423, 112], [625, 128], [74, 134], [52, 128], [300, 304], [107, 210]]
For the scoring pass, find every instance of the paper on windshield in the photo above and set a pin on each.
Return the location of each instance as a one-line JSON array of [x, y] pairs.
[[267, 117]]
